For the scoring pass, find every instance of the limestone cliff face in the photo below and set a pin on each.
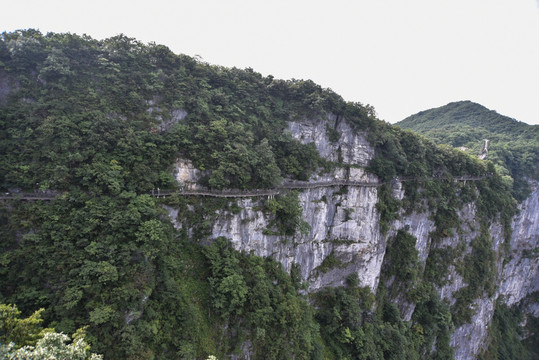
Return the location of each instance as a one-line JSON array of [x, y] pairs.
[[342, 224], [345, 225], [520, 275], [352, 147], [5, 86]]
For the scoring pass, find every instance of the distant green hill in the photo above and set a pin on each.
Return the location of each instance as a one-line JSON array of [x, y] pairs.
[[513, 145]]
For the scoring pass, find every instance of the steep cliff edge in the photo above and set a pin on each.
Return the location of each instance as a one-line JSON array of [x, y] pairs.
[[520, 272], [345, 236], [388, 242], [343, 224]]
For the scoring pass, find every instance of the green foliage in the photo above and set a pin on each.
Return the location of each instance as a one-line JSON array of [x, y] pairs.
[[52, 346], [442, 198], [229, 288], [26, 339], [106, 114], [513, 145], [505, 335], [404, 153], [437, 265], [494, 199], [401, 153], [387, 206], [382, 167], [330, 262], [351, 330], [104, 121], [332, 134], [288, 214], [279, 321], [19, 331], [531, 343], [402, 258], [79, 118], [478, 271], [97, 257], [432, 324], [340, 314]]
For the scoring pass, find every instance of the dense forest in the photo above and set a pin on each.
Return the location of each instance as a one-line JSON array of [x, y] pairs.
[[103, 122], [513, 146]]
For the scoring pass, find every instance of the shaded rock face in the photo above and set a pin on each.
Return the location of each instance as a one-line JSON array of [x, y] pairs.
[[165, 120], [187, 175], [345, 225], [353, 148], [520, 275], [469, 340], [5, 86]]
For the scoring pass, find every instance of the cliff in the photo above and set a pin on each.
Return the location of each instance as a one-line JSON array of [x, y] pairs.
[[345, 226], [372, 242]]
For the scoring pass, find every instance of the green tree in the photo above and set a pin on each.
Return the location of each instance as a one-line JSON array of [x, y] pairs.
[[20, 331], [288, 214], [266, 171], [53, 346]]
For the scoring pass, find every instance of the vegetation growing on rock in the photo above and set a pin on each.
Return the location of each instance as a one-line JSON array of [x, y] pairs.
[[104, 121]]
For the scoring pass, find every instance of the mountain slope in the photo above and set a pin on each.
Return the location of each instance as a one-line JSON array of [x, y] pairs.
[[381, 245], [512, 145]]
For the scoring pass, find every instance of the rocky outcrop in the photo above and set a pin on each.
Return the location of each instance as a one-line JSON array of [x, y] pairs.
[[5, 86], [520, 275], [187, 175], [345, 225], [351, 147], [164, 120], [470, 339], [175, 116]]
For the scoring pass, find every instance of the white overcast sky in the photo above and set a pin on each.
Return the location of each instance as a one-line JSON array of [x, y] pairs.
[[401, 56]]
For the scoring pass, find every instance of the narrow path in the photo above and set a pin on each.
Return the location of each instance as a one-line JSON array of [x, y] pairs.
[[235, 193]]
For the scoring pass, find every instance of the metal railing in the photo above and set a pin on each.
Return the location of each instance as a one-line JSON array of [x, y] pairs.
[[236, 193]]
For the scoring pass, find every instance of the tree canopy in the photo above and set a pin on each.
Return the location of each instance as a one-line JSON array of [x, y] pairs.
[[104, 122], [513, 145]]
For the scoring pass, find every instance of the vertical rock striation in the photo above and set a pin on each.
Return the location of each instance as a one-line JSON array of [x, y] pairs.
[[345, 225], [520, 275]]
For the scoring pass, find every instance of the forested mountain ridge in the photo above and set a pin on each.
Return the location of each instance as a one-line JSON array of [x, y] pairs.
[[512, 145], [400, 270]]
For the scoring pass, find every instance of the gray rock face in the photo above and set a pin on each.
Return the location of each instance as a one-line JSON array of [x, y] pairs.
[[469, 340], [165, 121], [520, 275], [175, 116], [187, 175], [354, 149], [5, 87], [345, 225]]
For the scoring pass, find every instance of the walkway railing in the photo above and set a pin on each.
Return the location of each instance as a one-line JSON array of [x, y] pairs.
[[236, 193]]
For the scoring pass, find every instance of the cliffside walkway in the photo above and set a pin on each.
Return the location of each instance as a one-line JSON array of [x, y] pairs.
[[235, 193], [289, 185]]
